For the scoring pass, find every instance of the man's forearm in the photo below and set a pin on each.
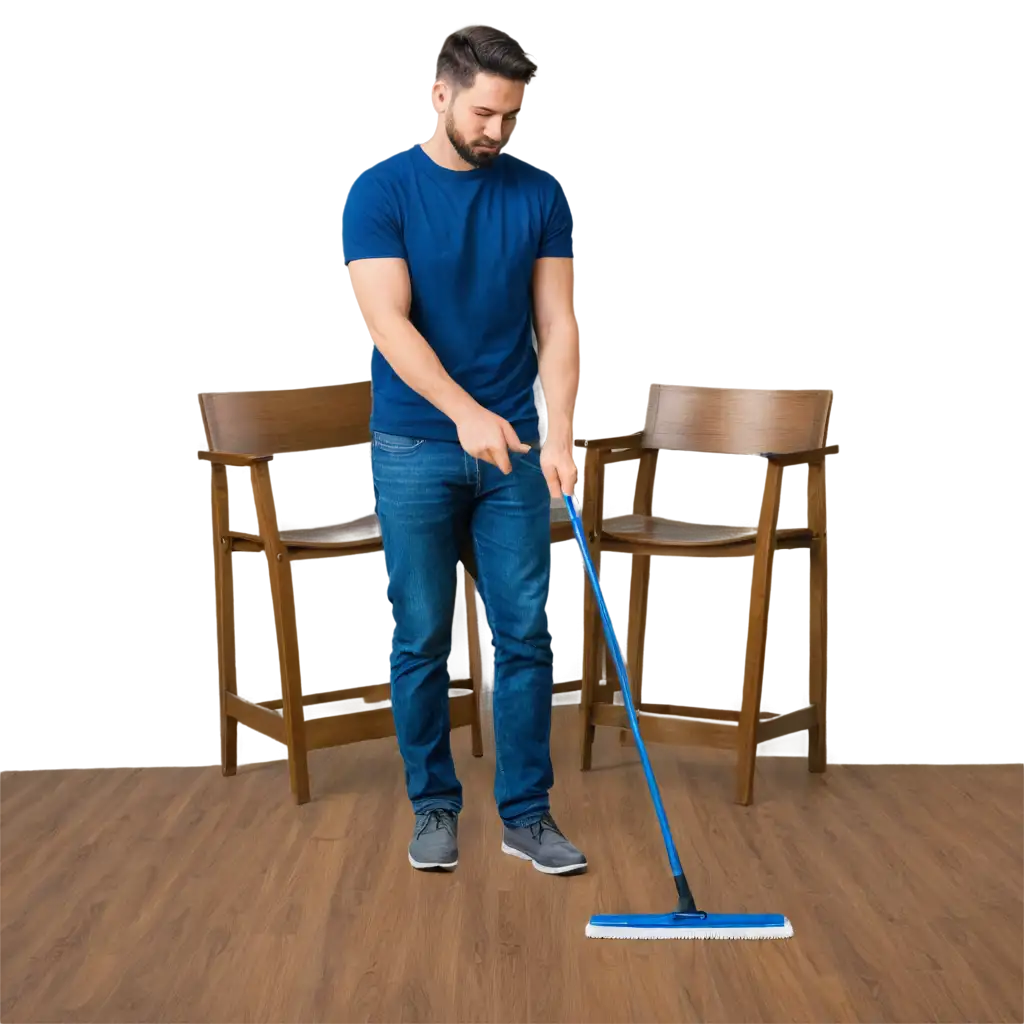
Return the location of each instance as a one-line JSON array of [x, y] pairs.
[[411, 357], [559, 366]]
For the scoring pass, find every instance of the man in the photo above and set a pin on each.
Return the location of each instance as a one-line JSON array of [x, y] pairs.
[[459, 254], [456, 254]]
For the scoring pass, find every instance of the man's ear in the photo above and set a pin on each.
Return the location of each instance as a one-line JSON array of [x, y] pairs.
[[443, 95]]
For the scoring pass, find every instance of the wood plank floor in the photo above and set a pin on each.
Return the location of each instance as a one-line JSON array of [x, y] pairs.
[[174, 894]]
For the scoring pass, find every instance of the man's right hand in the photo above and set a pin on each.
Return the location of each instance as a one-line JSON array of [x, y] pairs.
[[487, 436]]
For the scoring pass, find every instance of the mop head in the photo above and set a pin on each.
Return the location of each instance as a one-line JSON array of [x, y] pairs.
[[689, 926]]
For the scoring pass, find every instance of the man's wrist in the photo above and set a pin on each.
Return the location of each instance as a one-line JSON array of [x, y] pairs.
[[459, 404], [559, 434]]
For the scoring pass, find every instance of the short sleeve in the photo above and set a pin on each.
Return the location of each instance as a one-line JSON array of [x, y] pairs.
[[371, 225], [556, 239]]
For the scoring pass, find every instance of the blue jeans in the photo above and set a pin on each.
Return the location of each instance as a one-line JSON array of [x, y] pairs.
[[432, 498]]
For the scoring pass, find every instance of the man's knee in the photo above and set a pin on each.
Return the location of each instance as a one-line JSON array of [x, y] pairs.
[[423, 627], [520, 614]]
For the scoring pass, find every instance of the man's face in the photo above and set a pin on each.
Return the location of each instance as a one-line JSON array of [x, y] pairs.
[[481, 117]]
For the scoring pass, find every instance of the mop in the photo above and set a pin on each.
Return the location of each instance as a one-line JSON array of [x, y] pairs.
[[686, 921]]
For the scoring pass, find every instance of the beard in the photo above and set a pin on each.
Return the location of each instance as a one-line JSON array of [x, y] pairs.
[[465, 149]]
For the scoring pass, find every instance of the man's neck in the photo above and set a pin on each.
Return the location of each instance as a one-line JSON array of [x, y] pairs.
[[439, 148]]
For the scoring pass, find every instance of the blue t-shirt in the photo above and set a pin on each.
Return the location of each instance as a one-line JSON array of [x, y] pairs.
[[470, 239]]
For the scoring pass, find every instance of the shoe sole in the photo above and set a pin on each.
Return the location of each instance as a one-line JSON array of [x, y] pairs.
[[424, 866], [564, 870]]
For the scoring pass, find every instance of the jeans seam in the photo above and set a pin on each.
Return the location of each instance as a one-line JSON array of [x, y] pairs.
[[391, 450], [525, 822], [443, 805]]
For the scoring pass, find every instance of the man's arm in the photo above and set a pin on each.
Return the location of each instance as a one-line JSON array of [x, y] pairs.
[[384, 295], [558, 353]]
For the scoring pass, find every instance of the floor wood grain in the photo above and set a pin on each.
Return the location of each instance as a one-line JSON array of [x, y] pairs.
[[174, 894]]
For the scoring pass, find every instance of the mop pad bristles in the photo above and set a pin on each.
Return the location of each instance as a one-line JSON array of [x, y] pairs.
[[679, 926]]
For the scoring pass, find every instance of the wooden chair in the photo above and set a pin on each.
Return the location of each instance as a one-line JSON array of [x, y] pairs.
[[249, 429], [786, 428]]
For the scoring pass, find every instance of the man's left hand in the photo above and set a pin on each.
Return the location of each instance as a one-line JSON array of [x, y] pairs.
[[559, 469]]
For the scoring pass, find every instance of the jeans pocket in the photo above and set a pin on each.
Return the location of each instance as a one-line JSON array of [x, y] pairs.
[[531, 460], [396, 444]]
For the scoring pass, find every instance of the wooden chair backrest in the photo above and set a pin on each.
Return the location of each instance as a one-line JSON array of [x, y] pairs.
[[735, 421], [299, 420]]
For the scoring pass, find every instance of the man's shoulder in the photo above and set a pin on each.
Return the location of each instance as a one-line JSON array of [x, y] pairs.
[[526, 173], [384, 171]]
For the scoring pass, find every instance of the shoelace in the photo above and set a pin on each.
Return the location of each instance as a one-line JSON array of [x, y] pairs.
[[546, 824], [440, 819]]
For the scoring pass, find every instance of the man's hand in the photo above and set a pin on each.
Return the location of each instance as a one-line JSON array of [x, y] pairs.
[[487, 436], [559, 468]]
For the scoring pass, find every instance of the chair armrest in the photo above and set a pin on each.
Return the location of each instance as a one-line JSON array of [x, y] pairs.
[[611, 443], [233, 458], [796, 458]]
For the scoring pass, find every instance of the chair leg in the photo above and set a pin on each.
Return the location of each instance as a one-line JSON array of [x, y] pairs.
[[229, 745], [593, 484], [226, 656], [475, 662], [639, 586], [817, 758], [591, 671], [757, 635], [291, 684]]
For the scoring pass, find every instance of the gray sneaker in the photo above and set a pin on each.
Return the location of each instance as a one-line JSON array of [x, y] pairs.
[[544, 844], [435, 841]]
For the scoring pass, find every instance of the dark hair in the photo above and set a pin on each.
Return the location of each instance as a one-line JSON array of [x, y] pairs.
[[481, 48]]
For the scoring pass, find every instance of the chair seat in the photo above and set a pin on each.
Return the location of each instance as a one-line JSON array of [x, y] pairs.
[[634, 529], [559, 513], [356, 533]]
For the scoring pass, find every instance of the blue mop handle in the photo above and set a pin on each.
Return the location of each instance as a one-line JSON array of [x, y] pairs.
[[627, 696]]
